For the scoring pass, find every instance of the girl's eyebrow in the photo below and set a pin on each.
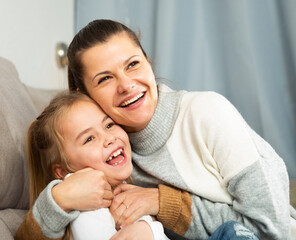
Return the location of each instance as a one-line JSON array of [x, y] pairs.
[[82, 133], [108, 72], [105, 118], [90, 128]]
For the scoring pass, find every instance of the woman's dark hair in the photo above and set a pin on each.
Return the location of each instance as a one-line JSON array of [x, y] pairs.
[[97, 31]]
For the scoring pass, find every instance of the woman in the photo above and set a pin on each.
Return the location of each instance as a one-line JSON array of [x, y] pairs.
[[194, 141]]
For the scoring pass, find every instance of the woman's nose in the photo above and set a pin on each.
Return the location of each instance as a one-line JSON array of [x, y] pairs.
[[109, 139], [125, 83]]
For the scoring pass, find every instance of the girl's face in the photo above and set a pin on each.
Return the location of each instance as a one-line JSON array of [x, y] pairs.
[[92, 139], [120, 79]]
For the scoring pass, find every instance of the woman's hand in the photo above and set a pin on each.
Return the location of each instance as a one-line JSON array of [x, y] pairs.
[[132, 202], [86, 189], [140, 230]]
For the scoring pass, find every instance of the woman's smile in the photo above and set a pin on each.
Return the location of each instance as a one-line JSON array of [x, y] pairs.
[[132, 100]]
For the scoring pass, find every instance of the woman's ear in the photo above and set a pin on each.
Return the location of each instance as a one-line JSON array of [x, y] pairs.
[[78, 90], [59, 171]]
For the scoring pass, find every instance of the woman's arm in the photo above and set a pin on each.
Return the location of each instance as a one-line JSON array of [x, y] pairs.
[[30, 229], [54, 208], [263, 210]]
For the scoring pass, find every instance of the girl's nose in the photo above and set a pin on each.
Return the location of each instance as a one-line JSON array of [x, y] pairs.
[[125, 84], [109, 139]]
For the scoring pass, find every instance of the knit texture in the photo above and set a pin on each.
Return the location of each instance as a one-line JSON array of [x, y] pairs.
[[51, 218], [198, 142]]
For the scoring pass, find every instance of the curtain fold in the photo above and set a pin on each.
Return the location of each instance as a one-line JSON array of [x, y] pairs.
[[245, 50]]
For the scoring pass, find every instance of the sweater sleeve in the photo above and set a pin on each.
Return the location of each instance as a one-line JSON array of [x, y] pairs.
[[190, 215], [46, 219], [30, 229], [174, 209], [260, 205]]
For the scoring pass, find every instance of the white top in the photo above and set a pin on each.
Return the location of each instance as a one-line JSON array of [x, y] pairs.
[[99, 224]]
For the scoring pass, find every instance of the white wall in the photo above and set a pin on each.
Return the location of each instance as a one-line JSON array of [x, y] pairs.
[[29, 32]]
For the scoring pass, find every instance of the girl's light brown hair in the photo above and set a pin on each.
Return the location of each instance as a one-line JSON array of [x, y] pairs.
[[45, 142]]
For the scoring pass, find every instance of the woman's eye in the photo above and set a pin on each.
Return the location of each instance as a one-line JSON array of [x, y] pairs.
[[132, 64], [89, 139], [103, 79], [109, 125]]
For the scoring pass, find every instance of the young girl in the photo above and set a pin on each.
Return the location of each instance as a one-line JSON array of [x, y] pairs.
[[71, 134]]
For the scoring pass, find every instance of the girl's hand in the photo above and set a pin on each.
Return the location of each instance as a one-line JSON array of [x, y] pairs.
[[132, 202], [86, 189], [140, 230]]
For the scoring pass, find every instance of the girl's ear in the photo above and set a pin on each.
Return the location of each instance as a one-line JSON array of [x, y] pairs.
[[59, 171]]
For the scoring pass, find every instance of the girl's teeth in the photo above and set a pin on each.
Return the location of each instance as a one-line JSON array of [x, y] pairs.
[[115, 154], [127, 102], [115, 164]]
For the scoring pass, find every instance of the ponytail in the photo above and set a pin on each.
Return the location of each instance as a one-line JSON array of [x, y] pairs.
[[37, 178]]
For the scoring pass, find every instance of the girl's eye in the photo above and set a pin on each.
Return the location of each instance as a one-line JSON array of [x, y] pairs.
[[103, 79], [109, 125], [132, 64], [89, 139]]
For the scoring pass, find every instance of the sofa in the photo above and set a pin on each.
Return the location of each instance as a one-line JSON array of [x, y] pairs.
[[19, 106]]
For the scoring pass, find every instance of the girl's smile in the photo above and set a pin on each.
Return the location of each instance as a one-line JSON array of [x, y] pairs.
[[92, 139], [117, 158]]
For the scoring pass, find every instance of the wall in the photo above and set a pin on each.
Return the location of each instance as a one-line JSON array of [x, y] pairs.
[[30, 31]]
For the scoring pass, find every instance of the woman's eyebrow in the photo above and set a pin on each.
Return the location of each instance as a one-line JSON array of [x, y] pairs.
[[127, 60], [108, 72], [101, 73]]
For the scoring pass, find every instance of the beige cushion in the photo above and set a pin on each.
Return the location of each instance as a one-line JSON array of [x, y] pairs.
[[10, 220], [19, 106]]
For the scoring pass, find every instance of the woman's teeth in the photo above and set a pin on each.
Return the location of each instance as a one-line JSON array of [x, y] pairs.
[[127, 102]]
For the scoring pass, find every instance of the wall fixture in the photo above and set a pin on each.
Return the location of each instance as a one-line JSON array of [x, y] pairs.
[[61, 54]]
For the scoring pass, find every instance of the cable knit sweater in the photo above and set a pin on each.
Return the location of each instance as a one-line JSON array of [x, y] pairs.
[[209, 166]]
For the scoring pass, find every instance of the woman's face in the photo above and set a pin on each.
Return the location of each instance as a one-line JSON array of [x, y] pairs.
[[92, 139], [120, 79]]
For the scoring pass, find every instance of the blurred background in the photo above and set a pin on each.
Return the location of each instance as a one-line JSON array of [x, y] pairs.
[[243, 49]]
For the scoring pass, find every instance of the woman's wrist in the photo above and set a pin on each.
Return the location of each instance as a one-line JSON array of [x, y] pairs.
[[155, 201], [57, 195]]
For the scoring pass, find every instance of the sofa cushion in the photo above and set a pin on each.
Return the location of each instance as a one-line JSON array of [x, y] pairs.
[[10, 220], [17, 111]]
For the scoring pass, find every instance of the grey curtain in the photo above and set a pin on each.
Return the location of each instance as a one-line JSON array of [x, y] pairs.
[[243, 49]]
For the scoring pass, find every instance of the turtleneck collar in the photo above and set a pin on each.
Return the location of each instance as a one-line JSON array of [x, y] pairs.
[[158, 130]]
